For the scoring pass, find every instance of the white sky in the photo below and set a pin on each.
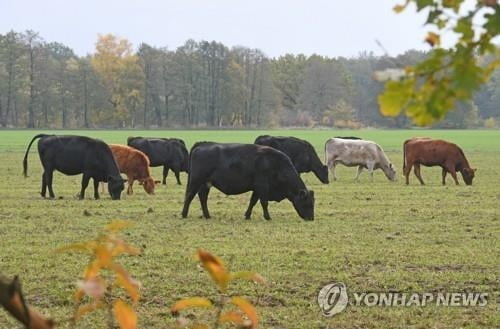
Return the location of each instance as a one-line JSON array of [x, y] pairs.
[[326, 27]]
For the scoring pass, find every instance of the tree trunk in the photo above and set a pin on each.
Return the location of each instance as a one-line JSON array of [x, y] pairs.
[[31, 106]]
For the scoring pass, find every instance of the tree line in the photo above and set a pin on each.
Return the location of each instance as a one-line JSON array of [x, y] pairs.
[[201, 84]]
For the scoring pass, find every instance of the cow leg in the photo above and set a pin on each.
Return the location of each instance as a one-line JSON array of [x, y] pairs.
[[130, 182], [203, 196], [165, 174], [406, 172], [332, 169], [370, 166], [262, 191], [96, 189], [253, 200], [416, 170], [444, 175], [44, 186], [49, 174], [85, 183], [176, 172], [191, 190], [453, 174], [264, 203], [360, 169]]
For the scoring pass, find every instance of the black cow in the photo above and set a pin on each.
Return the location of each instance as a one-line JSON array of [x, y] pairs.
[[73, 155], [171, 153], [239, 168], [301, 152], [348, 137]]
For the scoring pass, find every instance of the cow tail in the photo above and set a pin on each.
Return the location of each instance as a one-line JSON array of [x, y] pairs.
[[404, 155], [25, 160]]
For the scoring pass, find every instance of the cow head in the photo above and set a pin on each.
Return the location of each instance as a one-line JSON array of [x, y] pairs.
[[303, 202], [468, 175], [390, 172], [115, 186], [149, 184], [322, 174]]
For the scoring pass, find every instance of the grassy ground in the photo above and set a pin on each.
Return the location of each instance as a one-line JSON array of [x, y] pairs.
[[378, 236]]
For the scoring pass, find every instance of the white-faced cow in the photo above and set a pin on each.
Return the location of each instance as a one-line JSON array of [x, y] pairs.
[[357, 153], [73, 155], [239, 168], [435, 152], [301, 152], [171, 153]]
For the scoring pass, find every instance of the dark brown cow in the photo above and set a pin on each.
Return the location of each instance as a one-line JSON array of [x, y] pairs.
[[135, 165], [435, 152]]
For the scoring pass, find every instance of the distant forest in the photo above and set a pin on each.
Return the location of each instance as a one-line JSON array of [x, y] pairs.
[[201, 84]]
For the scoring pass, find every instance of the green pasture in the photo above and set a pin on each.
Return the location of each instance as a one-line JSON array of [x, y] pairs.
[[375, 236]]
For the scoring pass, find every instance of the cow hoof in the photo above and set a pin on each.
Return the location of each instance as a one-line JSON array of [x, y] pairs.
[[247, 217], [267, 218]]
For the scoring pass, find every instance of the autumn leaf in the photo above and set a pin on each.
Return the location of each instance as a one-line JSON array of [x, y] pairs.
[[125, 315], [190, 303], [394, 97], [85, 309], [130, 285], [215, 268], [433, 39], [231, 316], [248, 309]]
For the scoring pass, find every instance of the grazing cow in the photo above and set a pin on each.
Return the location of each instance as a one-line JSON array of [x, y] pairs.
[[360, 153], [301, 152], [135, 165], [239, 168], [435, 152], [348, 137], [73, 155], [171, 153]]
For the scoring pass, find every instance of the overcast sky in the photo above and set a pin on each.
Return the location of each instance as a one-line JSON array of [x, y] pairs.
[[327, 27]]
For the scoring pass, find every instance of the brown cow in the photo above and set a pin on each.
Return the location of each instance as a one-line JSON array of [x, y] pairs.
[[135, 165], [435, 152]]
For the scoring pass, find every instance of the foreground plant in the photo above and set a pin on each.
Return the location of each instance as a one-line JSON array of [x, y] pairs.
[[228, 309], [96, 291]]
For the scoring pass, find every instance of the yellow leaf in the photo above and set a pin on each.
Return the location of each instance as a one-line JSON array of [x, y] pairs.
[[190, 303], [248, 309], [215, 268], [433, 39], [121, 247], [84, 309], [399, 8], [231, 316], [199, 326], [117, 225], [126, 282], [125, 315], [103, 254], [92, 269], [250, 276]]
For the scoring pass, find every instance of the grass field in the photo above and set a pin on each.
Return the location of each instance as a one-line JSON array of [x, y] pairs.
[[373, 236]]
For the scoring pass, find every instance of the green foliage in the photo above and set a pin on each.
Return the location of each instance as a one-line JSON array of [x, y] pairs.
[[431, 88]]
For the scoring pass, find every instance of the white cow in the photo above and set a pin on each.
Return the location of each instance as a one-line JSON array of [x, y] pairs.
[[360, 153]]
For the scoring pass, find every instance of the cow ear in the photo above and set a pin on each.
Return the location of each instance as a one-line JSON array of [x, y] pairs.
[[157, 182]]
